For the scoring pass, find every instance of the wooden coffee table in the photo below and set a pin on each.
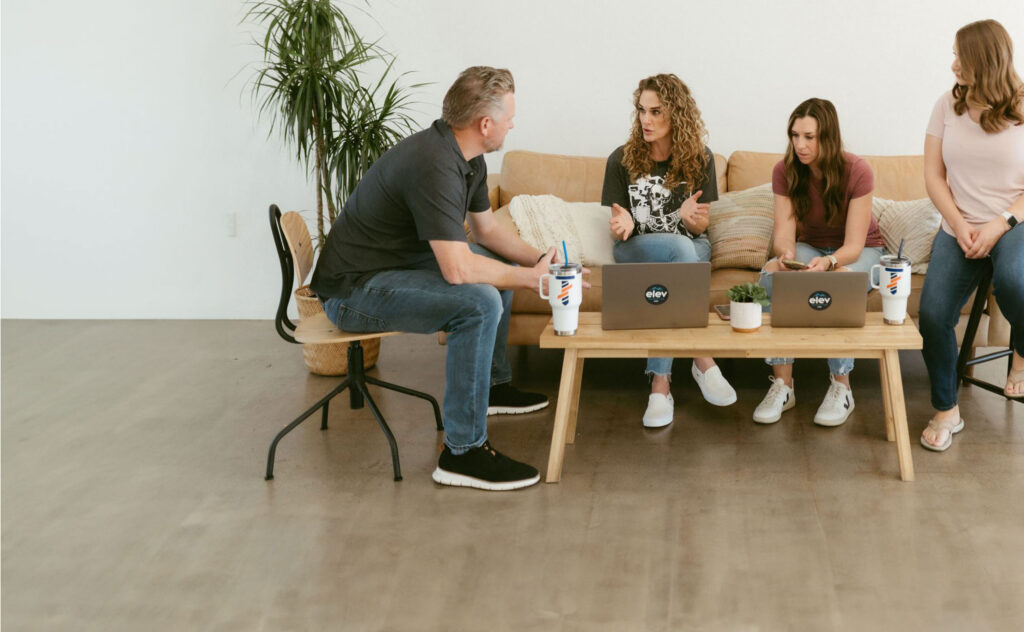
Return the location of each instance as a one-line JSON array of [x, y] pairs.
[[875, 340]]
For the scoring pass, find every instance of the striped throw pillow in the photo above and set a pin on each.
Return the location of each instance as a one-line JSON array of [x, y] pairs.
[[914, 221], [740, 228]]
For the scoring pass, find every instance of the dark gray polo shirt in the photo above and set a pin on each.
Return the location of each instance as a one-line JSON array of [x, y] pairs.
[[420, 190]]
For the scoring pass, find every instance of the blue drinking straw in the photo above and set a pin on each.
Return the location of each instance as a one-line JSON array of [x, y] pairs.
[[565, 252], [899, 255]]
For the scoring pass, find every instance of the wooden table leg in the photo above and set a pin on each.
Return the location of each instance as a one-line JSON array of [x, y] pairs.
[[894, 394], [574, 397], [890, 432], [563, 409]]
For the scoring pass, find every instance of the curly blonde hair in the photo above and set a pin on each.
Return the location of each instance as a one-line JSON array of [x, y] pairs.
[[689, 159]]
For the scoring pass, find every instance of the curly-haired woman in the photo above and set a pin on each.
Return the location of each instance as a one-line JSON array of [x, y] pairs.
[[659, 185], [974, 173], [823, 219]]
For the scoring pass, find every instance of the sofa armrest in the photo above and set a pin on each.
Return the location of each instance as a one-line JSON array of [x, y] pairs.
[[493, 190]]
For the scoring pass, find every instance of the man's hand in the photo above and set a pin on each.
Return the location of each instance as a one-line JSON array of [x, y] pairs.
[[621, 223], [985, 237], [694, 214], [542, 268]]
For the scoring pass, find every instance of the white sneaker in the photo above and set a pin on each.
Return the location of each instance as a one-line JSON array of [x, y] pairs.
[[713, 386], [659, 410], [779, 399], [837, 405]]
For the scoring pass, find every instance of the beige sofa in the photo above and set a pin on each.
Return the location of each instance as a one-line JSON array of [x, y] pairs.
[[579, 179]]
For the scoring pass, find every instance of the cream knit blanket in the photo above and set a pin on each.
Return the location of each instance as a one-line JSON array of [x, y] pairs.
[[545, 220]]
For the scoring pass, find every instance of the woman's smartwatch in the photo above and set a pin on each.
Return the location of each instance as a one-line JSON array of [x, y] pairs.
[[833, 262], [1010, 218]]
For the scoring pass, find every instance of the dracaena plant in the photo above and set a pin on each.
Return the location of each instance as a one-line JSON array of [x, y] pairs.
[[373, 120], [310, 84]]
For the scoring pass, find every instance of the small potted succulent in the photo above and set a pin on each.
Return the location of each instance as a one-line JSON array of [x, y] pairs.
[[745, 303]]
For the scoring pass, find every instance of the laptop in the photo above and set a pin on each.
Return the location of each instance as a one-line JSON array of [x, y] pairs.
[[655, 295], [819, 299]]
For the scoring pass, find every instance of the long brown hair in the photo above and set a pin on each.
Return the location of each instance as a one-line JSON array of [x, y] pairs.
[[986, 60], [687, 133], [830, 160]]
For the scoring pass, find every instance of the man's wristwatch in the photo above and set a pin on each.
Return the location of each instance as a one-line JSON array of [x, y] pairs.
[[833, 262], [1010, 218]]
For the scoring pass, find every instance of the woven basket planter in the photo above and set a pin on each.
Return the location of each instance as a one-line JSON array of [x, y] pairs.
[[329, 359]]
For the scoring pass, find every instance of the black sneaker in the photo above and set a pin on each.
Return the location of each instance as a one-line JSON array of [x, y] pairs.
[[483, 468], [506, 399]]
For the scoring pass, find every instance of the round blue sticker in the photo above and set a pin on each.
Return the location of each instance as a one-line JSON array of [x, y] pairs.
[[820, 300], [656, 294]]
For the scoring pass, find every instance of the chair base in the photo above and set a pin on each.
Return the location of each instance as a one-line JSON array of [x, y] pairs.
[[356, 383], [964, 362]]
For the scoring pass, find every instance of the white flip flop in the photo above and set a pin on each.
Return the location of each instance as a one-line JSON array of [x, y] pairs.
[[949, 440]]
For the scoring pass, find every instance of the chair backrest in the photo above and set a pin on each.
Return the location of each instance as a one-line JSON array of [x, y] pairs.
[[300, 245], [295, 253]]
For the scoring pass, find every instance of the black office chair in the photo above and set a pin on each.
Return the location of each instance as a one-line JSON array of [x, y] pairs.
[[964, 360], [295, 252]]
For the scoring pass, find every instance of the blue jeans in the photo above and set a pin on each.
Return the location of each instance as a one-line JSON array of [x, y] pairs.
[[950, 280], [662, 248], [476, 317], [804, 253]]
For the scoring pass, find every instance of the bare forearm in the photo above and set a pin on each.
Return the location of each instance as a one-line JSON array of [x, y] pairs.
[[1017, 209], [942, 198], [848, 254], [460, 265], [480, 269], [510, 246], [783, 245], [503, 241]]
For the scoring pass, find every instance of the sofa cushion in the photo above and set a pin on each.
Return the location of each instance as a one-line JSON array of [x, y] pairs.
[[724, 278], [915, 221], [572, 178], [740, 228], [545, 220], [896, 177]]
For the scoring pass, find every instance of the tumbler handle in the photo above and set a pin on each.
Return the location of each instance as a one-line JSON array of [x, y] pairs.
[[871, 276], [540, 290]]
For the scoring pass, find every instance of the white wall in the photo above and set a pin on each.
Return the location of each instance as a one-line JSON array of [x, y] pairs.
[[128, 143]]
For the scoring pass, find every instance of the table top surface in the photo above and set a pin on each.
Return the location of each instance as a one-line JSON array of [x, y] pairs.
[[719, 337]]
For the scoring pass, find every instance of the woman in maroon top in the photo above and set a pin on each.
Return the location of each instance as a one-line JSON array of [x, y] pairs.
[[822, 219]]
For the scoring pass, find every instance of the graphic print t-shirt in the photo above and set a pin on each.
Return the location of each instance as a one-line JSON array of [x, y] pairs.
[[655, 209]]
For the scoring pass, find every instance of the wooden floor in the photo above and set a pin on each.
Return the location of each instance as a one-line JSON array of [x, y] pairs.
[[133, 499]]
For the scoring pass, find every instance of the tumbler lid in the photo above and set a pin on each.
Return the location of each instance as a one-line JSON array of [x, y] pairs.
[[565, 268], [891, 259]]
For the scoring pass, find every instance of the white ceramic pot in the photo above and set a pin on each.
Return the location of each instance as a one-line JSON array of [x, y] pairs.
[[745, 317]]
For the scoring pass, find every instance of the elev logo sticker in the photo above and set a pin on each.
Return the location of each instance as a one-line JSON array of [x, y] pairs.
[[656, 294], [820, 300]]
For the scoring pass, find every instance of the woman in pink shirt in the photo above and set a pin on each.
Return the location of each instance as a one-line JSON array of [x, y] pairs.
[[974, 173], [822, 219]]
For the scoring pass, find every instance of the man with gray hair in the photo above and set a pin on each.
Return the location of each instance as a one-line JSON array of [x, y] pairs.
[[398, 259]]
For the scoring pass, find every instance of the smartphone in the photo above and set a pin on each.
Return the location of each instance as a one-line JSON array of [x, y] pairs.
[[793, 264], [723, 311]]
